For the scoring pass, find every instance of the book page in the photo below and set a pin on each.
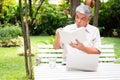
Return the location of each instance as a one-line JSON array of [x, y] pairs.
[[68, 36]]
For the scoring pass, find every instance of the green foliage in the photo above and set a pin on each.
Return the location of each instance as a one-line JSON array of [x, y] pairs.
[[109, 17], [49, 19], [9, 35], [54, 21], [115, 8], [9, 12], [9, 2], [9, 32], [12, 42], [65, 5]]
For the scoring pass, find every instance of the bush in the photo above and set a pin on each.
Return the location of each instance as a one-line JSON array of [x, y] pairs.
[[9, 35], [50, 18], [12, 42]]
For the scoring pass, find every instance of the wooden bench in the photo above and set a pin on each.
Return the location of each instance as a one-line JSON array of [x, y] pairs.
[[46, 51]]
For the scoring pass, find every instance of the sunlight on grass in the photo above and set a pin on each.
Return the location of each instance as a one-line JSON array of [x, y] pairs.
[[35, 40], [11, 65], [115, 42]]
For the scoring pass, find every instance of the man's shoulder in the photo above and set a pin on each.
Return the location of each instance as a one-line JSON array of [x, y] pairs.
[[70, 26], [92, 28]]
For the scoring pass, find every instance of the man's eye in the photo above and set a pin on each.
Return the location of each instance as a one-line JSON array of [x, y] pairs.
[[83, 18], [77, 17]]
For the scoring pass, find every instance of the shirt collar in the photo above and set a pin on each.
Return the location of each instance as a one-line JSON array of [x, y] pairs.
[[87, 28]]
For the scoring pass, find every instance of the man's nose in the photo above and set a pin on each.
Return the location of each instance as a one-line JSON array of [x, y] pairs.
[[79, 20]]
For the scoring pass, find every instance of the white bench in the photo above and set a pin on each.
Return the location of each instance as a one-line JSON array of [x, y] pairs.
[[47, 51], [104, 71]]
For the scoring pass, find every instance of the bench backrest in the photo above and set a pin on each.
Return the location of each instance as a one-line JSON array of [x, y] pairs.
[[47, 51]]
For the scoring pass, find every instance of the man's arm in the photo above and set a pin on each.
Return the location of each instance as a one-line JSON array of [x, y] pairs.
[[81, 47], [56, 43]]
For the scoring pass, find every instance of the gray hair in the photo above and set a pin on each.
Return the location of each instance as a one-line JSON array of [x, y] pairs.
[[84, 9]]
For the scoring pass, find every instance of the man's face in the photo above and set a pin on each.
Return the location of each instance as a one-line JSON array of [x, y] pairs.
[[81, 19]]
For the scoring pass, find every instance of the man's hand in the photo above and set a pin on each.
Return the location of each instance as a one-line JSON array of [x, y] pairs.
[[77, 45], [81, 47], [57, 31]]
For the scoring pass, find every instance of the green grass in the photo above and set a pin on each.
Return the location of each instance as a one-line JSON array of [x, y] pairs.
[[115, 42], [35, 40], [12, 66]]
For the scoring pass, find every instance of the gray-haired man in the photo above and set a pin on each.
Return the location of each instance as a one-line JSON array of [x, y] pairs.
[[82, 19]]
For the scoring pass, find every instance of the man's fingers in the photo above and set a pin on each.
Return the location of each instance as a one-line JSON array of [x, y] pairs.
[[77, 42], [73, 45]]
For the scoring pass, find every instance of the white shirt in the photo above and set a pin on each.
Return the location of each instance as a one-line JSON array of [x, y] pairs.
[[93, 36]]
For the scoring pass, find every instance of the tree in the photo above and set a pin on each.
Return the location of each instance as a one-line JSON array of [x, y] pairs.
[[27, 46], [0, 6], [30, 7], [73, 5], [109, 17], [115, 13], [38, 8], [0, 9], [6, 10], [96, 13]]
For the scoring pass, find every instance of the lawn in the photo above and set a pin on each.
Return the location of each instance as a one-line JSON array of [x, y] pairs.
[[12, 66], [115, 42]]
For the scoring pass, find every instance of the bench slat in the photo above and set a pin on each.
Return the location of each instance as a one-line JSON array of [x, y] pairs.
[[60, 55], [107, 51], [100, 59], [47, 60], [60, 50], [107, 55], [51, 46], [106, 59], [50, 50], [107, 46], [50, 55]]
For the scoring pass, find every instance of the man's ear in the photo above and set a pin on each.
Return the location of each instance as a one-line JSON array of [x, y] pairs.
[[89, 18]]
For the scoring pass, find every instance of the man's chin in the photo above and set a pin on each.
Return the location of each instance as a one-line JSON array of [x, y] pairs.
[[79, 26]]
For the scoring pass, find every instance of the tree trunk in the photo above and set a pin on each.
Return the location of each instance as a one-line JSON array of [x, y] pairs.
[[28, 41], [96, 13], [23, 29], [73, 5], [27, 47], [0, 9], [33, 18], [30, 8], [0, 6]]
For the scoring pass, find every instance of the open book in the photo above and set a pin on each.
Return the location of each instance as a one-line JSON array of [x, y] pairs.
[[68, 36]]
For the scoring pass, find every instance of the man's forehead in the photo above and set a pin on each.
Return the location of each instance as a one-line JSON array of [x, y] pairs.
[[81, 14]]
